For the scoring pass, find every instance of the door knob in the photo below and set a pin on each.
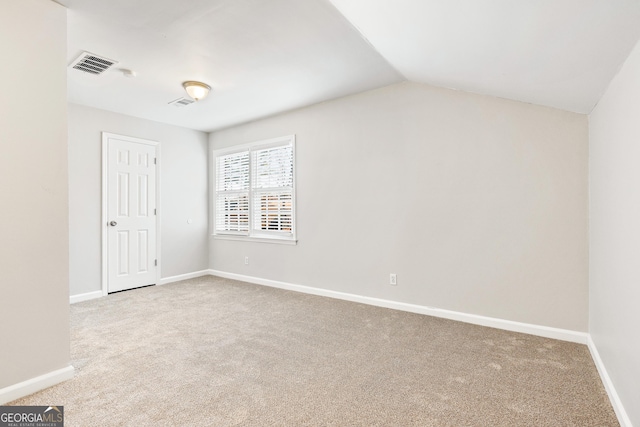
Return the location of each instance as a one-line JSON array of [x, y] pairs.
[[113, 223]]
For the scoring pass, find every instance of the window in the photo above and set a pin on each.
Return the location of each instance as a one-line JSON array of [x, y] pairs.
[[254, 190]]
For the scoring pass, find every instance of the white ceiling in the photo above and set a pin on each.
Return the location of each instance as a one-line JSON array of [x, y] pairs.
[[263, 57], [558, 53]]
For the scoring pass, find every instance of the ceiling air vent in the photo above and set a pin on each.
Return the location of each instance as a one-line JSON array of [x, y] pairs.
[[182, 102], [92, 64]]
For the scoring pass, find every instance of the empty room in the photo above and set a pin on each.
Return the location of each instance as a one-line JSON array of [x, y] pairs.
[[320, 212]]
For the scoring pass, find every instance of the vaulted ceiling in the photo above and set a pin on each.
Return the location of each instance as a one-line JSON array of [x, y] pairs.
[[262, 57]]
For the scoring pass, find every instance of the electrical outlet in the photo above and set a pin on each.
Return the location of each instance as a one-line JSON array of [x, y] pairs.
[[393, 280], [246, 260]]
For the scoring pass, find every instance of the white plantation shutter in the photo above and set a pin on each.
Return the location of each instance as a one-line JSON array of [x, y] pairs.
[[232, 193], [255, 192], [273, 190]]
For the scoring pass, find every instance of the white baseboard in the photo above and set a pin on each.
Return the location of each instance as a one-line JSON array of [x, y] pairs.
[[623, 418], [85, 297], [186, 276], [98, 294], [543, 331], [33, 385]]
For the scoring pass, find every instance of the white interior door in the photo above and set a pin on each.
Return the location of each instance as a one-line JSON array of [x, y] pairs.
[[130, 212]]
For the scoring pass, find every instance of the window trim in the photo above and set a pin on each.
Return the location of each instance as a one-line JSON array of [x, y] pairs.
[[251, 235]]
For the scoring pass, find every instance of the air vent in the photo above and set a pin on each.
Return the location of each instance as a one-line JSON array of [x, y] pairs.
[[182, 102], [92, 64]]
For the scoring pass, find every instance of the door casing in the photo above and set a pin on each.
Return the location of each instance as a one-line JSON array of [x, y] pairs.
[[105, 201]]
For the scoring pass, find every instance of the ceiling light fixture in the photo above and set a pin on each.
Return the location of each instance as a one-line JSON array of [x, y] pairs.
[[196, 90]]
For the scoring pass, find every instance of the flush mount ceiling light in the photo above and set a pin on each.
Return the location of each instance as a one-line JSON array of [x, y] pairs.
[[196, 90]]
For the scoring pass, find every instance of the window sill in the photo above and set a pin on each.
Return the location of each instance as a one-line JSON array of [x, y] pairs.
[[255, 239]]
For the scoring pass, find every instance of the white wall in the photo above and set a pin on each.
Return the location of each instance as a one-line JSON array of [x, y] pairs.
[[614, 309], [184, 187], [478, 204], [34, 251]]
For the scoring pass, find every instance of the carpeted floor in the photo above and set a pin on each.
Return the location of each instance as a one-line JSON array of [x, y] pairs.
[[216, 352]]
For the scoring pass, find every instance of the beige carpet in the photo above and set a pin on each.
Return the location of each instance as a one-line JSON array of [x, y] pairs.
[[215, 352]]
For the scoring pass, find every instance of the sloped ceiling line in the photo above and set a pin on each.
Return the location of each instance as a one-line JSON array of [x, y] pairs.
[[263, 57]]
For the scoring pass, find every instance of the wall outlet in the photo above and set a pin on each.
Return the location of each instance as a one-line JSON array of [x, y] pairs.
[[393, 280], [246, 260]]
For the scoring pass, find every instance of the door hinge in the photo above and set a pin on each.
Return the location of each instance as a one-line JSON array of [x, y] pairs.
[[155, 160], [156, 263], [155, 212]]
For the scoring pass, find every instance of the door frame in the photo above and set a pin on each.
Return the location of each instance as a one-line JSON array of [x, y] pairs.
[[105, 201]]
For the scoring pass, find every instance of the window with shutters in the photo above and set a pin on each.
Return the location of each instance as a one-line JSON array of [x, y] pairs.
[[254, 190]]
